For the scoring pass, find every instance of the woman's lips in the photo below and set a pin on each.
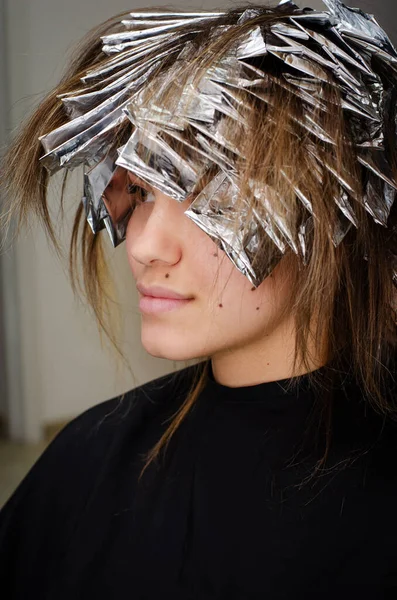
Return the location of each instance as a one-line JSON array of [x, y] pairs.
[[151, 305]]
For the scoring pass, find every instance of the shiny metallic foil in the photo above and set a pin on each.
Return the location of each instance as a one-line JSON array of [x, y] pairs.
[[210, 117]]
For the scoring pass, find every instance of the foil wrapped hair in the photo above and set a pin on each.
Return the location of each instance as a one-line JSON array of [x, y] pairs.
[[309, 45]]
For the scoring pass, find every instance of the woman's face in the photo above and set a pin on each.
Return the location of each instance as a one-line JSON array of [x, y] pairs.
[[165, 248]]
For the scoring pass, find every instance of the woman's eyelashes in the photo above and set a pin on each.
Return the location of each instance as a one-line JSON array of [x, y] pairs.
[[136, 191], [139, 194]]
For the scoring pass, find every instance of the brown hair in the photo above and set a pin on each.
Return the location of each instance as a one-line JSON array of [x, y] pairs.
[[355, 285]]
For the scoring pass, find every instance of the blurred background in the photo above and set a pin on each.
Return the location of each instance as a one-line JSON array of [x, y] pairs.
[[53, 362]]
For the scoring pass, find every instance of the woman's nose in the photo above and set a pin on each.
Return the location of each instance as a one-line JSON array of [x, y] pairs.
[[152, 232]]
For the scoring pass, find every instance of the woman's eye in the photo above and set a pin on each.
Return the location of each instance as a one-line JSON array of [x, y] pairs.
[[138, 192]]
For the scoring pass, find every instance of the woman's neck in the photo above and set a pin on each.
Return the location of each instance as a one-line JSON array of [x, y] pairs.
[[270, 358]]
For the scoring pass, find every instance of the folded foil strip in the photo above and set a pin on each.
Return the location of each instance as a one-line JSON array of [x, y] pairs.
[[219, 224], [360, 25], [79, 105], [302, 52], [143, 27], [164, 169]]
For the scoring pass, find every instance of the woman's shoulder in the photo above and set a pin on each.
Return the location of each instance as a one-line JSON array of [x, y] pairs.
[[39, 520], [65, 473], [91, 434], [127, 410], [46, 508]]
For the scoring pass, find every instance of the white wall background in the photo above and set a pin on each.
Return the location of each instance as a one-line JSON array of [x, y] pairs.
[[63, 369], [3, 136]]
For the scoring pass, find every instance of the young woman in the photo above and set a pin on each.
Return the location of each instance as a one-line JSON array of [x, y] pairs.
[[247, 158]]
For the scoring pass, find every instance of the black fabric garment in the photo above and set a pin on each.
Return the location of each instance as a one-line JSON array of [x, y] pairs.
[[224, 517]]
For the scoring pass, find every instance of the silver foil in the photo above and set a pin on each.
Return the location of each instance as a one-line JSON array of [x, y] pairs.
[[211, 115]]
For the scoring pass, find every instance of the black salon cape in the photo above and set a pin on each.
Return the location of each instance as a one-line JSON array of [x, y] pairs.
[[223, 518]]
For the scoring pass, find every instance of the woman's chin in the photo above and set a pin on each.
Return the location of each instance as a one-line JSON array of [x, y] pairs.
[[169, 349], [164, 348]]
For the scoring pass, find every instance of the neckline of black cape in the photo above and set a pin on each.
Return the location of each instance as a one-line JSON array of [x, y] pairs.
[[284, 390], [328, 378]]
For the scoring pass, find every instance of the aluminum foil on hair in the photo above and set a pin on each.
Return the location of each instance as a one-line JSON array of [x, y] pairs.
[[154, 161], [303, 51], [96, 180], [214, 212]]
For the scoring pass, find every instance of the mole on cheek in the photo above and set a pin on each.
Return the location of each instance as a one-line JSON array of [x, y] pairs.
[[220, 305], [257, 308], [167, 275]]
